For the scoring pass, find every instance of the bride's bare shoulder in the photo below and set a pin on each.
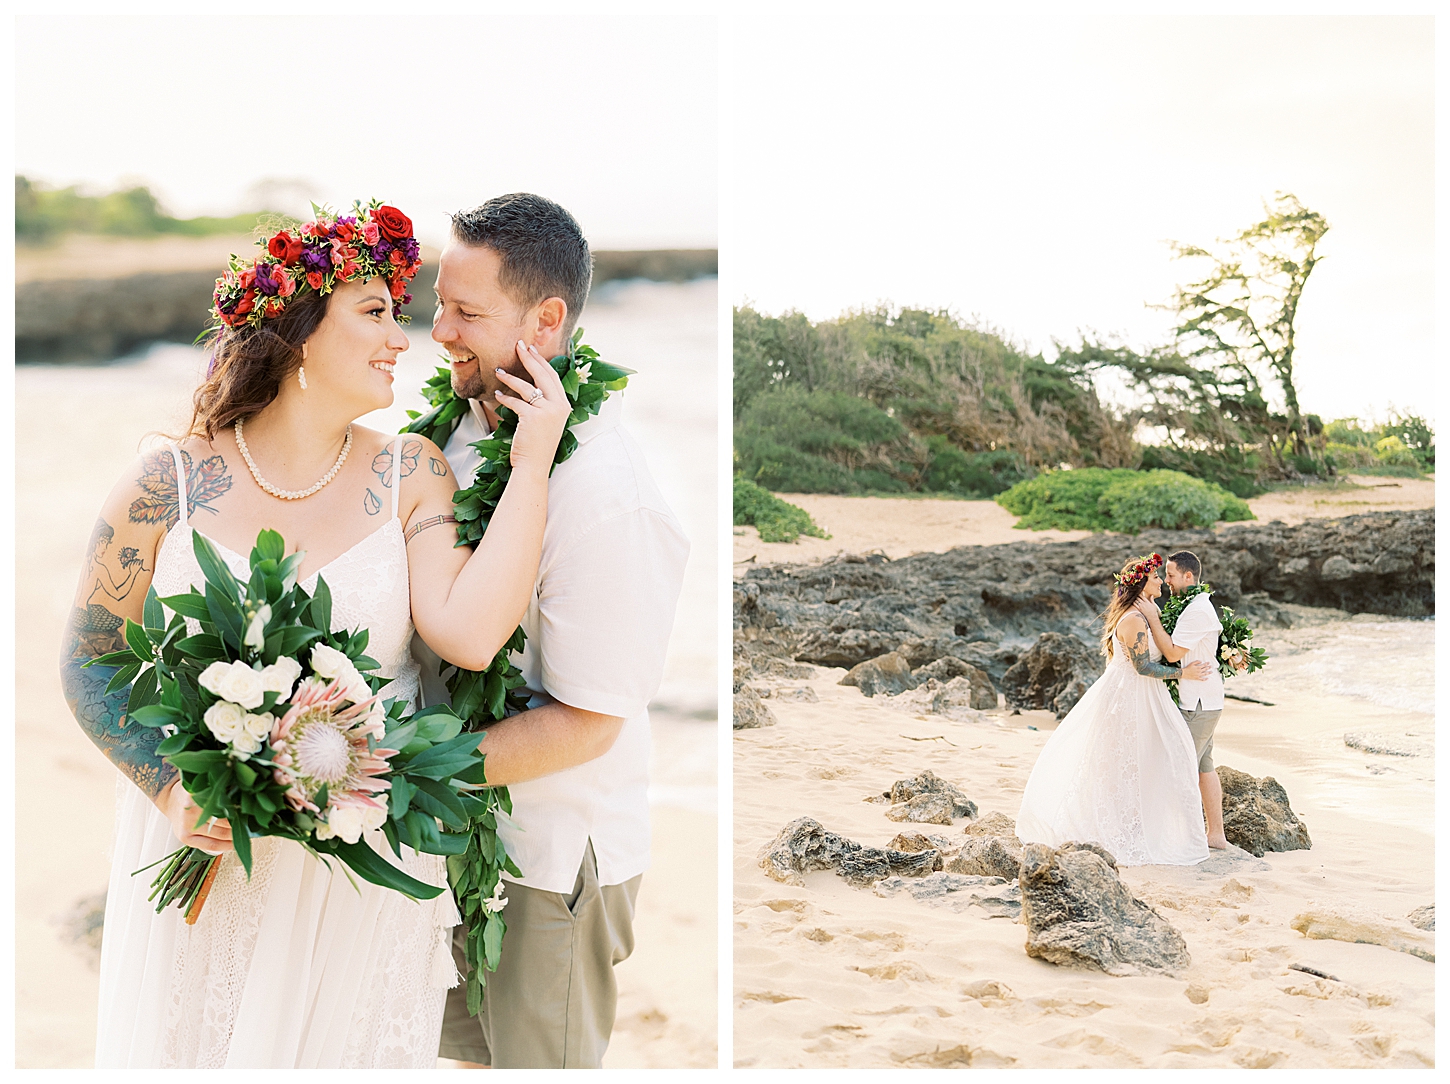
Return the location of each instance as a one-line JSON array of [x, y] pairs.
[[1131, 622], [147, 496]]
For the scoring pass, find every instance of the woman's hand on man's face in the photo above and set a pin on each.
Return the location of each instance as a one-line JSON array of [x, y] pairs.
[[542, 407]]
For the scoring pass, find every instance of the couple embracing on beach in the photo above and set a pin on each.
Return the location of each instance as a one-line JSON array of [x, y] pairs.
[[295, 966], [1127, 768]]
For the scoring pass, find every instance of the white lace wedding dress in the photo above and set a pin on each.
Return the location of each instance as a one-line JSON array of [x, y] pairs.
[[294, 968], [1119, 771]]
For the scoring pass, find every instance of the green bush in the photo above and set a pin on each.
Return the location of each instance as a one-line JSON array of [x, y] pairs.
[[776, 520], [1165, 498], [1094, 499], [1065, 499], [984, 474], [797, 441]]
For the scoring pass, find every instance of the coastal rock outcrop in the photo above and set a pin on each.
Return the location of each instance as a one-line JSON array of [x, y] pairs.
[[1053, 674], [987, 604], [749, 711], [888, 674], [982, 695], [1423, 918], [927, 799], [1079, 914], [1337, 922], [1256, 814], [988, 856], [804, 845]]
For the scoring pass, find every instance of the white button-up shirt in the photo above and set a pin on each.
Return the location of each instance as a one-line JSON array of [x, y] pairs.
[[1197, 629], [598, 625]]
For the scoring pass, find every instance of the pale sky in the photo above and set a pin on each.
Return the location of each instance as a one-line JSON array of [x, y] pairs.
[[1028, 170], [609, 109]]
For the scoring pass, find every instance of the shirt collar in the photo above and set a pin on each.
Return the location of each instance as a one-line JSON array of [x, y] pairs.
[[609, 417]]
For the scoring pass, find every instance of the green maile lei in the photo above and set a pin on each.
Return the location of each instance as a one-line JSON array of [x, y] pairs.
[[1172, 610], [482, 697]]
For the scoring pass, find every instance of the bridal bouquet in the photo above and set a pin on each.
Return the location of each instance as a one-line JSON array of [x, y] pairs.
[[274, 724], [482, 697], [1235, 655]]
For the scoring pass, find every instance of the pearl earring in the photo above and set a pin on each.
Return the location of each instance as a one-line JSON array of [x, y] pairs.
[[302, 377]]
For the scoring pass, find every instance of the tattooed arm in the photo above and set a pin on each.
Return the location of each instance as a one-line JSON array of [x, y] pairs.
[[1133, 634], [113, 584], [1171, 651]]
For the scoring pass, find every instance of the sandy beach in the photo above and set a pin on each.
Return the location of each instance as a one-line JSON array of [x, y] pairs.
[[901, 526], [830, 975], [667, 1014]]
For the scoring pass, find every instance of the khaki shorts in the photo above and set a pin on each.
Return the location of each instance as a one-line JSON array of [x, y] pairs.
[[550, 1004], [1201, 725]]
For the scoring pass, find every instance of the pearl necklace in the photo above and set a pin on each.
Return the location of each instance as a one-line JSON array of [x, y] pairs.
[[288, 494]]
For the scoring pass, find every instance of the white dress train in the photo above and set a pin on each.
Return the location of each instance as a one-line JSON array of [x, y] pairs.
[[1119, 771], [296, 967]]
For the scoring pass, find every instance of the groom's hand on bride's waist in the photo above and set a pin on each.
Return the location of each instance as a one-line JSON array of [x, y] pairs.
[[545, 740]]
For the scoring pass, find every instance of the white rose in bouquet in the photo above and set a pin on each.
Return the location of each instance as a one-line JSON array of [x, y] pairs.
[[225, 720], [328, 662], [280, 677], [253, 732], [345, 822], [234, 681]]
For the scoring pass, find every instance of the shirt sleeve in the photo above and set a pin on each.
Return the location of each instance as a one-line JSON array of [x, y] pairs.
[[606, 610], [1195, 623]]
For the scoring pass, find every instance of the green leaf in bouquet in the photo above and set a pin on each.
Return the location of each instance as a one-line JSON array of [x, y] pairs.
[[203, 645], [399, 798], [114, 658], [461, 747], [155, 715], [287, 571], [439, 801], [398, 736], [474, 774], [174, 744], [215, 570], [269, 547], [449, 844], [226, 615], [192, 605], [200, 760], [246, 775], [152, 614], [123, 677], [320, 616], [242, 842], [294, 638], [138, 641], [438, 723], [371, 866], [143, 691], [366, 663]]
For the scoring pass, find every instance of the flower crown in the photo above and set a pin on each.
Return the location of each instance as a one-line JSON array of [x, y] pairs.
[[1138, 571], [375, 240]]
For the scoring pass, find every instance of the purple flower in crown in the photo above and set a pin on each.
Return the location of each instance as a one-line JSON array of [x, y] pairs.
[[409, 248], [318, 258]]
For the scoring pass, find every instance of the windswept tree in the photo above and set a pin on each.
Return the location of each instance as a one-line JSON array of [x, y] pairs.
[[1240, 315]]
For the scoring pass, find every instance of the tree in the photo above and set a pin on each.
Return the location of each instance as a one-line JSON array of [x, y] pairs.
[[1240, 315]]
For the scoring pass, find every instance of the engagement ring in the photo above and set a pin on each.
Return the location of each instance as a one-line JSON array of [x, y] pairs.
[[535, 397]]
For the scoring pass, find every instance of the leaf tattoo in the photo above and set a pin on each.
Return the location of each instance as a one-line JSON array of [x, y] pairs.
[[371, 505], [205, 482]]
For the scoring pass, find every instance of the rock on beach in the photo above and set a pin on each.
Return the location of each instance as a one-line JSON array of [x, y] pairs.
[[1256, 814]]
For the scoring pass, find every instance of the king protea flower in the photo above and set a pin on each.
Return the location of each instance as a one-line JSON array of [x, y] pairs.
[[320, 743]]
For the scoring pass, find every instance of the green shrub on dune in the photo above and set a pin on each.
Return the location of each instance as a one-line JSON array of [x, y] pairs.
[[1094, 499], [775, 519]]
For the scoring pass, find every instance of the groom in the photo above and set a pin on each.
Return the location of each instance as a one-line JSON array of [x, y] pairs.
[[576, 763], [1195, 639]]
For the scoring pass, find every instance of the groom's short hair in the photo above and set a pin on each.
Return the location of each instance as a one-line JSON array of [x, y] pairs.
[[541, 249], [1188, 563]]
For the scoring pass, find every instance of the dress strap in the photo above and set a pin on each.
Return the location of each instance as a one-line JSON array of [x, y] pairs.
[[397, 462], [181, 485]]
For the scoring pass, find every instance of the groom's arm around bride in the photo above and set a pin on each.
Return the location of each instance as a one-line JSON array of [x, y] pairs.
[[597, 627]]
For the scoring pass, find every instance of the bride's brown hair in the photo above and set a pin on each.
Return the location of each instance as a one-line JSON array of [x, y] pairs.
[[1128, 587], [249, 364]]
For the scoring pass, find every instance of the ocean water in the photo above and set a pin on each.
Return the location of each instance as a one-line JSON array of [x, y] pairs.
[[1385, 661]]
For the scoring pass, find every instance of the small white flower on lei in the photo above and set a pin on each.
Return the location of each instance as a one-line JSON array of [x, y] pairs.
[[583, 371], [497, 902]]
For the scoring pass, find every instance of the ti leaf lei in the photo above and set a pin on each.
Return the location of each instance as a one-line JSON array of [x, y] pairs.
[[482, 697], [1172, 611]]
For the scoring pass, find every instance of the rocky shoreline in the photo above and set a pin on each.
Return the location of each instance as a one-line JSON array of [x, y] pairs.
[[95, 319], [987, 604]]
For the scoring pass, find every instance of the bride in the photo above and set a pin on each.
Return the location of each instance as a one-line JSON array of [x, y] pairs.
[[295, 967], [1120, 770]]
